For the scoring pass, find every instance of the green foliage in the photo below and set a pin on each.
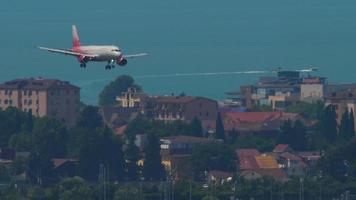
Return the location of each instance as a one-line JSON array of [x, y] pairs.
[[90, 118], [328, 124], [132, 156], [261, 108], [219, 132], [21, 141], [100, 146], [152, 167], [307, 110], [214, 156], [196, 128], [263, 144], [13, 121], [49, 138], [142, 125], [339, 161], [294, 135], [344, 125], [107, 97], [72, 189], [351, 128]]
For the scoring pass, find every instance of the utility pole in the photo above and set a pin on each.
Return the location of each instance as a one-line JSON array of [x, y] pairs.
[[190, 190], [301, 189]]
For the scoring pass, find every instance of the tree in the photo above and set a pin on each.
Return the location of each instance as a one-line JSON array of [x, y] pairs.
[[299, 141], [132, 156], [90, 118], [351, 127], [107, 97], [344, 125], [196, 128], [213, 156], [328, 124], [285, 131], [49, 138], [219, 132], [12, 121], [101, 147], [153, 169]]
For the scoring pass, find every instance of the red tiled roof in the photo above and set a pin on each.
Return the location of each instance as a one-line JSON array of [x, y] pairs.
[[266, 162], [248, 163], [174, 99], [290, 156], [57, 162], [120, 130], [313, 155], [280, 148], [247, 152], [36, 84], [256, 120]]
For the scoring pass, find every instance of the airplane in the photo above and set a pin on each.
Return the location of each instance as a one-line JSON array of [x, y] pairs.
[[95, 53]]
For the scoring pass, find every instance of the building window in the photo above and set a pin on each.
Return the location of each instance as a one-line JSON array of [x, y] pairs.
[[0, 101], [6, 92], [37, 102], [6, 101], [30, 102], [30, 110], [29, 93], [25, 102], [25, 92], [10, 102]]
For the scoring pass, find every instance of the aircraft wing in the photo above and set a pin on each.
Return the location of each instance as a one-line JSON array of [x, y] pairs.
[[135, 55], [66, 52]]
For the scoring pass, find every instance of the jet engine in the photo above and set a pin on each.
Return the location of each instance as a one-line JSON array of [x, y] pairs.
[[121, 62]]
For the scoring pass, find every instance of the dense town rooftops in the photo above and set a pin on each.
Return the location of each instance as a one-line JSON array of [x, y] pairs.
[[37, 84], [176, 99], [259, 116], [186, 138]]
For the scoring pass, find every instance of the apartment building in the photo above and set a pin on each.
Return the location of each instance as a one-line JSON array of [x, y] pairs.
[[42, 97]]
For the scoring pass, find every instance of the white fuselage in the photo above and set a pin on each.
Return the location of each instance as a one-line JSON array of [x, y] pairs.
[[103, 53]]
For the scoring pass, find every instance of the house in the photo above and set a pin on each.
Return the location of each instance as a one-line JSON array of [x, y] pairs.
[[253, 165], [342, 100], [176, 152], [311, 158], [42, 97], [282, 148], [184, 108], [181, 144], [287, 88], [63, 167], [220, 177], [292, 164], [265, 124]]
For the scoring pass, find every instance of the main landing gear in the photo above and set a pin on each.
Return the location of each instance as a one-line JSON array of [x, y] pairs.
[[110, 65], [83, 65]]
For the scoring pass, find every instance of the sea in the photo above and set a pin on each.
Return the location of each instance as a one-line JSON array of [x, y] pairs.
[[199, 47]]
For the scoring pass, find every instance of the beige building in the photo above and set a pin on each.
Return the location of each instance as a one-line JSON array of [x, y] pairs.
[[42, 97], [342, 100]]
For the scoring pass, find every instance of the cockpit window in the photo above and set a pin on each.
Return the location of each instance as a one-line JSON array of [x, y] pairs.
[[117, 50]]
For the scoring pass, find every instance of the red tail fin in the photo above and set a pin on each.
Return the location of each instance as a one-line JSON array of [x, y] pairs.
[[76, 42]]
